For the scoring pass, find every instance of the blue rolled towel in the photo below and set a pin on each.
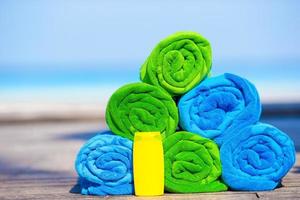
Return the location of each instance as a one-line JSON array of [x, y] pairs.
[[218, 106], [104, 166], [257, 157]]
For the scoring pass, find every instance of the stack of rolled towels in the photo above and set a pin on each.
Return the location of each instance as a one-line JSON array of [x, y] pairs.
[[212, 137]]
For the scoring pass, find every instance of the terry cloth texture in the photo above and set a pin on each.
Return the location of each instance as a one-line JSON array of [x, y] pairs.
[[178, 63], [104, 166], [218, 106], [257, 158], [192, 164], [140, 107]]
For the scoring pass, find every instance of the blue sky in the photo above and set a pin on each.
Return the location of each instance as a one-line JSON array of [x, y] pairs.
[[35, 33], [61, 46]]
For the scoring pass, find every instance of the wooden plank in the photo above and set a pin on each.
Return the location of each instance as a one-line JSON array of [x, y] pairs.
[[48, 173], [271, 196], [60, 189], [66, 196]]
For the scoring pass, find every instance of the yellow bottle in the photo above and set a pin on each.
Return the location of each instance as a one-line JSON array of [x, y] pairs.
[[148, 164]]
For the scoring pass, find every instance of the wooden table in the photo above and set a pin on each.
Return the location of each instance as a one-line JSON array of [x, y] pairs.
[[36, 162]]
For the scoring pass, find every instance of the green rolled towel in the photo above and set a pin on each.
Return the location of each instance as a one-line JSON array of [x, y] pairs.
[[140, 107], [178, 63], [192, 164]]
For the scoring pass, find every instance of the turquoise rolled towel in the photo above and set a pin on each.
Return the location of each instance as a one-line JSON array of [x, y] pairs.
[[219, 106], [256, 158], [104, 166]]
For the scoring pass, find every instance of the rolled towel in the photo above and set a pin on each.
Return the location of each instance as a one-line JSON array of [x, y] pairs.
[[218, 106], [257, 157], [178, 63], [104, 166], [140, 107], [192, 164]]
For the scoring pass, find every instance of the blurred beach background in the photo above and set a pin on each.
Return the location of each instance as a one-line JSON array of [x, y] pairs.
[[57, 56], [61, 60]]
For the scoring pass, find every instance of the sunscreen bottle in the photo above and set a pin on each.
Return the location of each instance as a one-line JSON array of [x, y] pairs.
[[148, 164]]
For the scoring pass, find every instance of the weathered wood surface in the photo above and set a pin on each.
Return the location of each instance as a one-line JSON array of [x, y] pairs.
[[36, 162]]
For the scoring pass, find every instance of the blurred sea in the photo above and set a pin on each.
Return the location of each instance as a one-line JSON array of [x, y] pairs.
[[276, 81], [56, 92]]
